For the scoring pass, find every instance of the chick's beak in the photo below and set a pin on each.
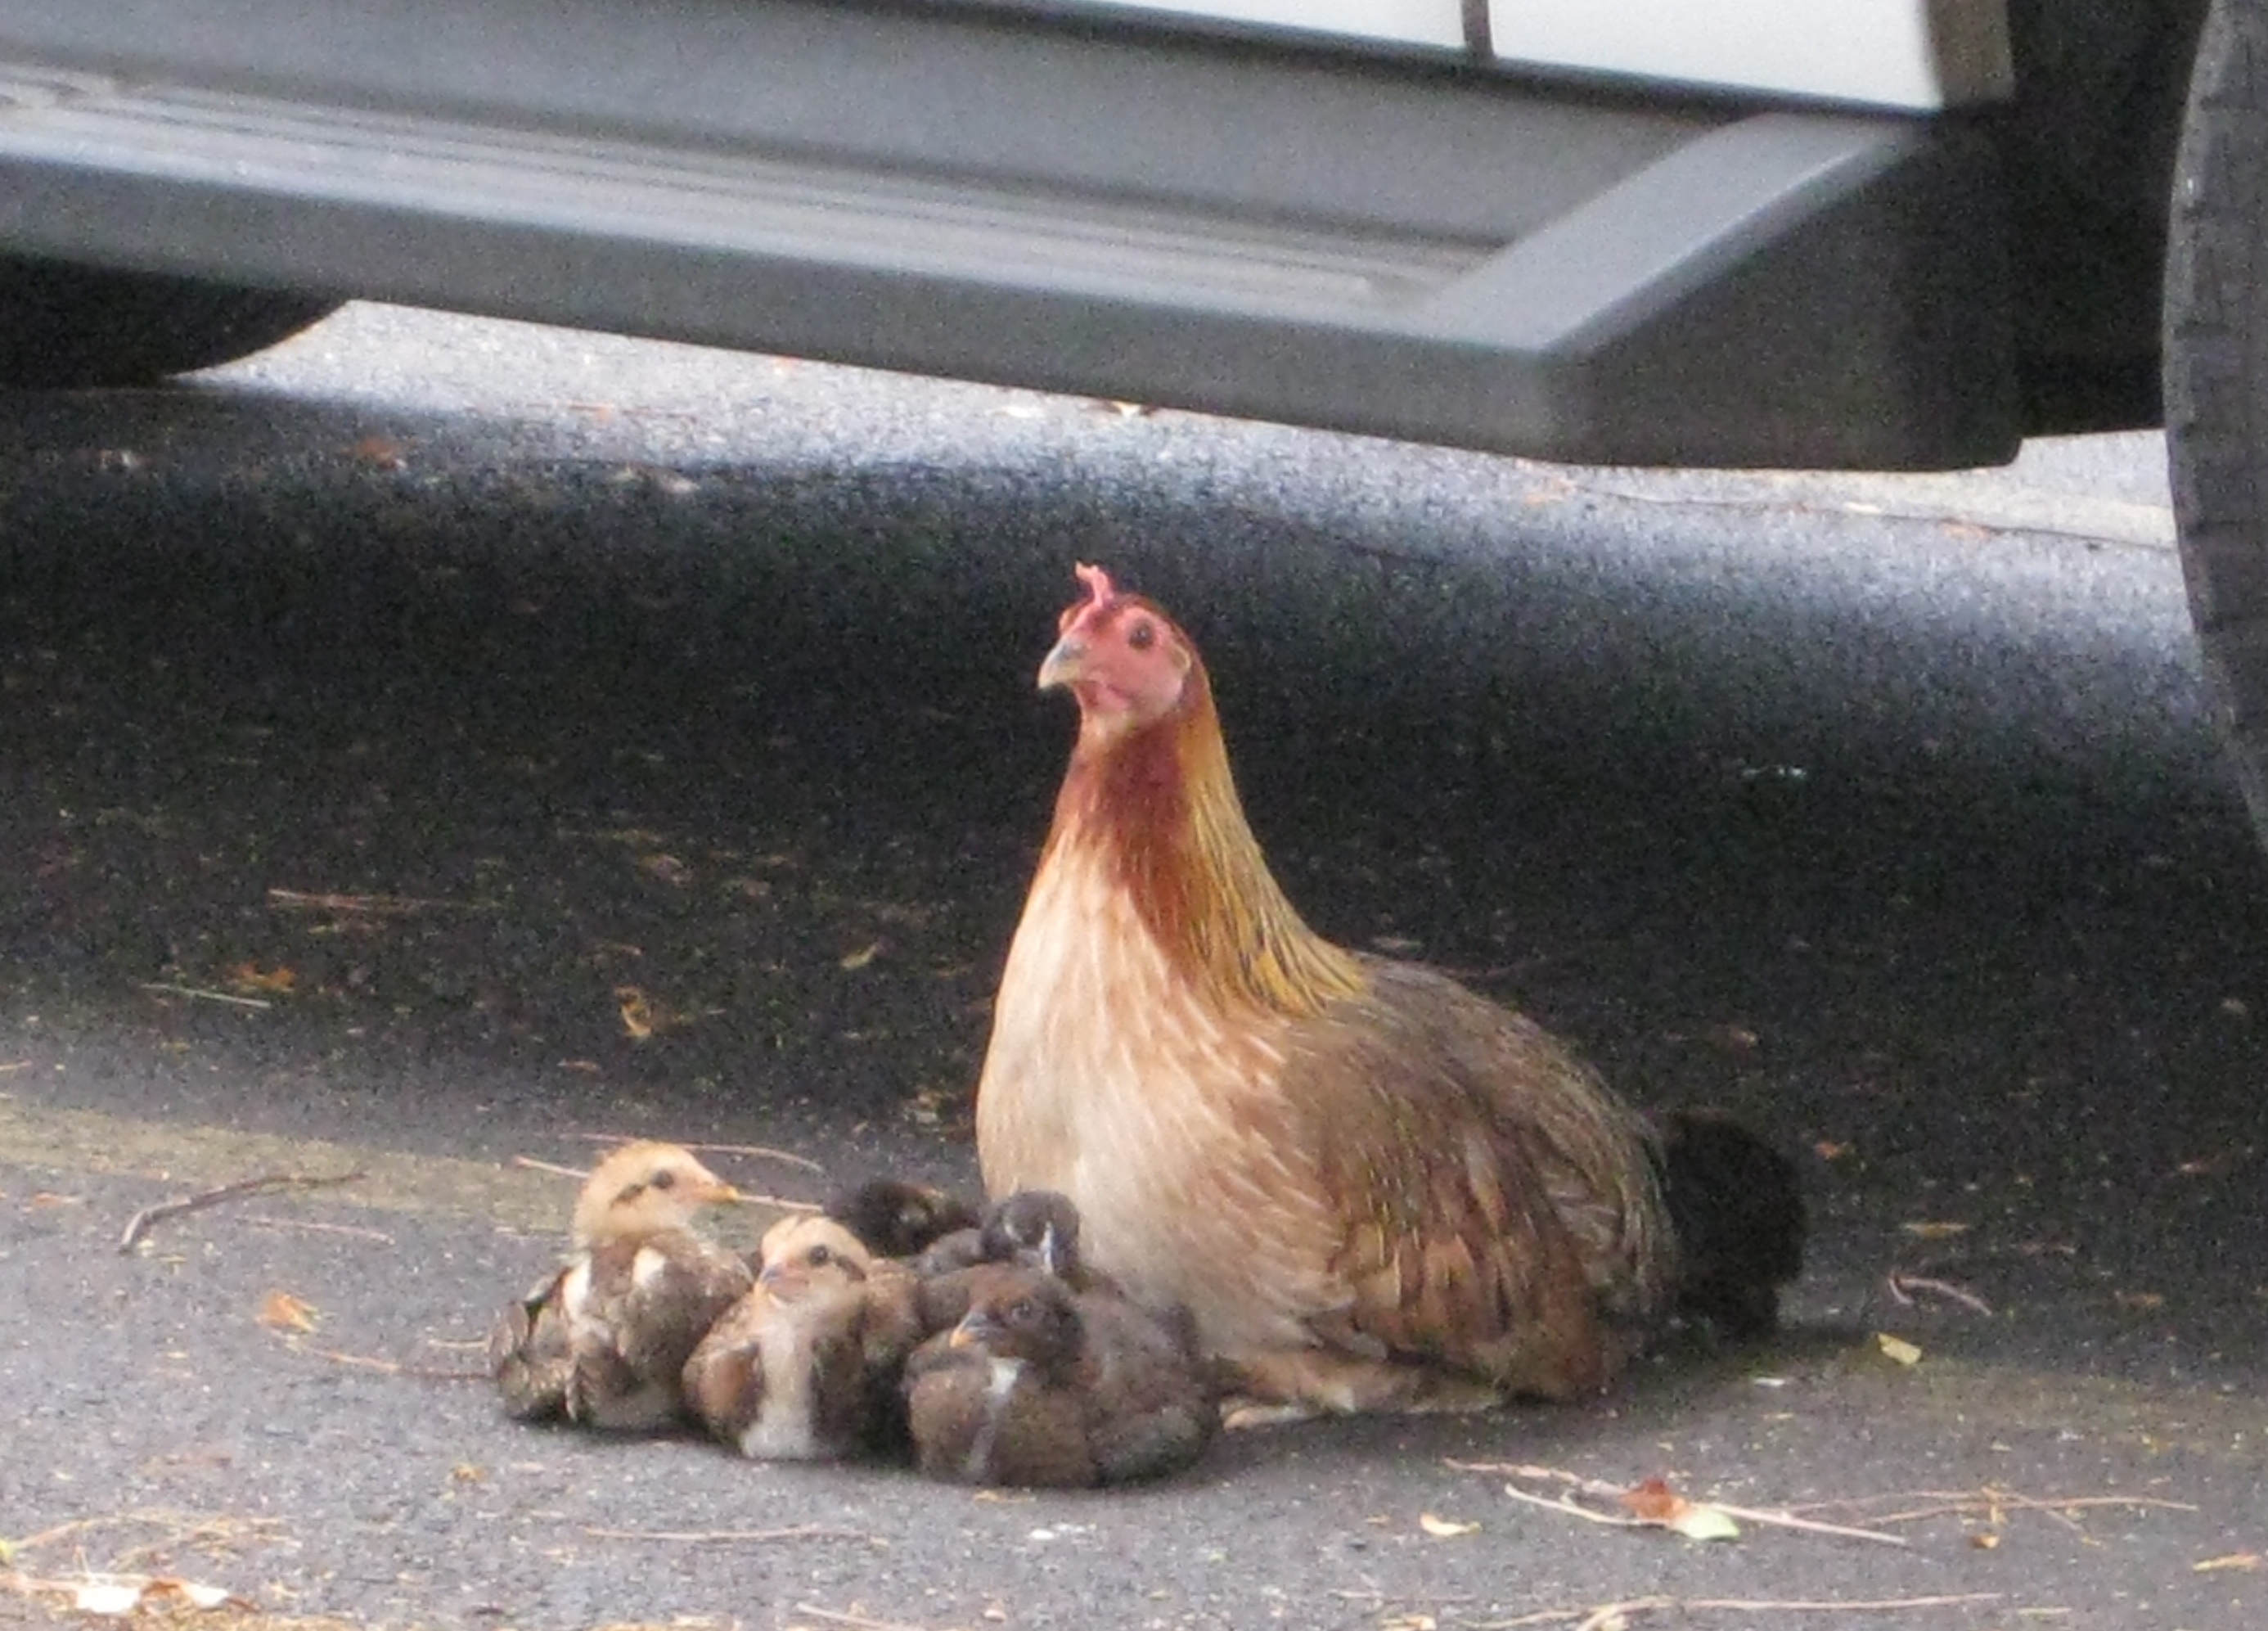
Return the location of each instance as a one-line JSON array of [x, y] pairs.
[[1065, 665], [974, 1328]]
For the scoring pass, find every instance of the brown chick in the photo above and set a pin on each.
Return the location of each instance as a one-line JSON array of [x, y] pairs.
[[805, 1366], [602, 1341], [1371, 1188], [1039, 1385]]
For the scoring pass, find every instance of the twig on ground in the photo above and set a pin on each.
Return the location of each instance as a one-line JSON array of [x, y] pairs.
[[860, 1622], [376, 906], [201, 995], [1910, 1289], [781, 1202], [533, 1165], [139, 1224], [396, 1367], [1777, 1518], [1989, 1501], [763, 1151], [1599, 1616], [351, 1230], [719, 1536]]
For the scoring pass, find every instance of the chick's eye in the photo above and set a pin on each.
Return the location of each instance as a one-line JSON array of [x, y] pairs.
[[820, 1254], [663, 1180], [1142, 635]]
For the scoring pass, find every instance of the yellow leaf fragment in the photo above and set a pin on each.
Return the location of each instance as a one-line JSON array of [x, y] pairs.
[[637, 1011], [1442, 1528], [252, 976], [1934, 1231], [1700, 1520], [854, 960], [280, 1311], [1897, 1349]]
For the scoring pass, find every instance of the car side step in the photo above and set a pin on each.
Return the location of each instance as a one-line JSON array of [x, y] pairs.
[[1705, 286]]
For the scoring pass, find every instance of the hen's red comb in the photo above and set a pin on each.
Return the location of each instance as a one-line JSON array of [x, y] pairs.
[[1099, 590]]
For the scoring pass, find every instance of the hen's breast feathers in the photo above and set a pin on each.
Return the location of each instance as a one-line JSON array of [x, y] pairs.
[[1410, 1170]]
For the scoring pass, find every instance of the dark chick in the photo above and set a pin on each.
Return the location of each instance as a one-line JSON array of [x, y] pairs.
[[805, 1366], [1737, 1207], [896, 1218], [1040, 1385], [1038, 1228], [602, 1341]]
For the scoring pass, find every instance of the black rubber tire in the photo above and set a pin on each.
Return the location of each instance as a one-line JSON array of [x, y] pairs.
[[2216, 354], [63, 326]]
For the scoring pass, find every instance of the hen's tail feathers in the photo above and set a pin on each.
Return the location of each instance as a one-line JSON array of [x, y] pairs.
[[1737, 1207]]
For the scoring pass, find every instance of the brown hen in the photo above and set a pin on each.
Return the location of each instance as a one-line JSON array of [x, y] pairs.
[[1369, 1187]]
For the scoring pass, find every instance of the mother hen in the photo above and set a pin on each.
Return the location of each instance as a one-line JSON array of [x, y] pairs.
[[1369, 1187]]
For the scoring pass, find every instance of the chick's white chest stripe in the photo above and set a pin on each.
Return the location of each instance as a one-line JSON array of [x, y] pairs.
[[1006, 1373], [785, 1428]]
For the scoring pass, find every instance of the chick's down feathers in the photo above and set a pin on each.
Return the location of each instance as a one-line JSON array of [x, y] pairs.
[[602, 1342]]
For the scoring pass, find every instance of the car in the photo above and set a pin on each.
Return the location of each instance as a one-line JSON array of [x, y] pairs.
[[1892, 234]]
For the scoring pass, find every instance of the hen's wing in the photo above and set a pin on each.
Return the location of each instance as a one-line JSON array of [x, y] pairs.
[[1500, 1208]]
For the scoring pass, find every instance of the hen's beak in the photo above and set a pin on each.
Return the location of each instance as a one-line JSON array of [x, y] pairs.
[[1065, 665]]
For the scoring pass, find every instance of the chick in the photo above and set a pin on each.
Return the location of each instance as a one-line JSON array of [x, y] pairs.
[[805, 1366], [896, 1218], [602, 1341], [1038, 1385], [1037, 1229]]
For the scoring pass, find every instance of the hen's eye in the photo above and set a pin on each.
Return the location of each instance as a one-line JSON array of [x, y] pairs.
[[1142, 635], [1023, 1313], [663, 1180]]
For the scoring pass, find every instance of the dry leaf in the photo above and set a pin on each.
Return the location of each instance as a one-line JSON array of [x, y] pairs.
[[1985, 1542], [638, 1013], [1897, 1349], [668, 869], [1409, 1622], [379, 452], [1442, 1528], [1655, 1502], [280, 1311], [2249, 1561], [2140, 1302], [1829, 1149], [115, 1596], [1934, 1231], [855, 961], [252, 976]]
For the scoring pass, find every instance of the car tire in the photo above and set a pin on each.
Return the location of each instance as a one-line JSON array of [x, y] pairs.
[[63, 325], [2216, 378]]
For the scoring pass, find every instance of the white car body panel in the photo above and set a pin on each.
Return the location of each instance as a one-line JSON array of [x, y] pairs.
[[1919, 54], [1923, 54], [1436, 23]]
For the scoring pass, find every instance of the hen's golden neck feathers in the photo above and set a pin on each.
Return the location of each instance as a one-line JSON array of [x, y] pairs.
[[1157, 805]]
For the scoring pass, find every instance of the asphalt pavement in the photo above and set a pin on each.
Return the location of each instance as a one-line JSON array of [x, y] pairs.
[[439, 745]]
